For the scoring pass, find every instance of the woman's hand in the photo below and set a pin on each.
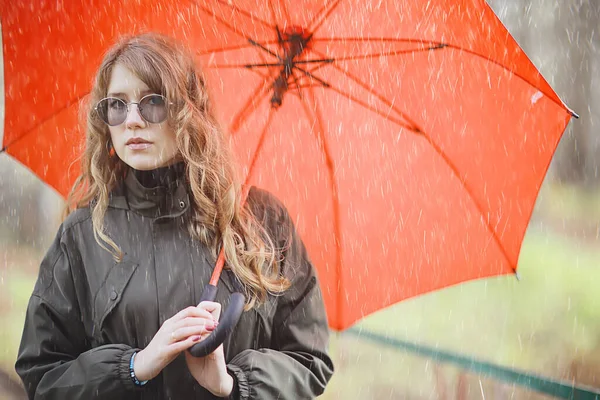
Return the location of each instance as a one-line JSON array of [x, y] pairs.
[[176, 334], [211, 371]]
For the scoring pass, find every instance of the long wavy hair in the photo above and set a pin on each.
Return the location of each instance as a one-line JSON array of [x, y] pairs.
[[217, 215]]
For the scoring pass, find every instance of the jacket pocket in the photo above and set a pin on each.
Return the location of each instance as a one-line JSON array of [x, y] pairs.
[[111, 291]]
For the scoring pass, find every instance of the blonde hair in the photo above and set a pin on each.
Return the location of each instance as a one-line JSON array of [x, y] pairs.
[[169, 69]]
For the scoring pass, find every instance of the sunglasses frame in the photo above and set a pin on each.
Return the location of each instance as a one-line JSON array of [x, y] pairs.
[[167, 104]]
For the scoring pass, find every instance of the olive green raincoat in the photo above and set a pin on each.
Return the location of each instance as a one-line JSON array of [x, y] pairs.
[[88, 314]]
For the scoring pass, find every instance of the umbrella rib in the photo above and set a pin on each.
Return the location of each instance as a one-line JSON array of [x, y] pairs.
[[317, 67], [273, 16], [376, 111], [265, 49], [447, 45], [311, 76], [221, 20], [382, 98], [322, 140], [297, 83], [265, 75], [442, 154], [280, 40], [240, 66], [285, 12], [562, 105], [305, 87], [232, 48], [259, 146], [267, 65], [376, 40], [252, 17], [261, 91], [471, 194], [322, 16], [251, 104], [31, 130], [390, 53]]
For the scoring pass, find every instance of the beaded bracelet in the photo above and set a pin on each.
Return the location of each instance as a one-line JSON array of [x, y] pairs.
[[132, 373]]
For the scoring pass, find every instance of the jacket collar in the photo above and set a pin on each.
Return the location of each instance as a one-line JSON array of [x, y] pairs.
[[169, 199]]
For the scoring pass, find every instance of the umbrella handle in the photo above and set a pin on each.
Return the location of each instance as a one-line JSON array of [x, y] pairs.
[[227, 322]]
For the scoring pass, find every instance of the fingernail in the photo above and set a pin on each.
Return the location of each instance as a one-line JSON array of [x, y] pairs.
[[210, 328], [196, 338]]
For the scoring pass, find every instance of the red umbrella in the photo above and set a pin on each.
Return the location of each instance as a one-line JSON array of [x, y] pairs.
[[408, 139]]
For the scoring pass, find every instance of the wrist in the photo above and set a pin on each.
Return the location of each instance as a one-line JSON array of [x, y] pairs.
[[226, 386], [222, 387], [139, 363]]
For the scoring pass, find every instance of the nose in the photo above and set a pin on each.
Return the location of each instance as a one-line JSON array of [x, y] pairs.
[[134, 119]]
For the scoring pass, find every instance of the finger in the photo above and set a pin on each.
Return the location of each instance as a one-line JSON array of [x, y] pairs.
[[187, 343], [188, 331], [186, 312], [215, 355], [195, 323], [189, 312], [190, 321], [211, 307]]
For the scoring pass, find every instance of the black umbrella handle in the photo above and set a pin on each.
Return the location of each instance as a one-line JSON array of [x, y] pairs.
[[227, 322]]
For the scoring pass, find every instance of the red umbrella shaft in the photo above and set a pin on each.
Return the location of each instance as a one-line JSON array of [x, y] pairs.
[[218, 268], [214, 279]]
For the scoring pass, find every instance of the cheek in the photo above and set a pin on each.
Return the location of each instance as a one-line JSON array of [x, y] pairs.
[[168, 137], [114, 135]]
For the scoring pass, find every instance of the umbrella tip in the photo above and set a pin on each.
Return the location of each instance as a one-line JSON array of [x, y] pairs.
[[574, 114], [517, 276]]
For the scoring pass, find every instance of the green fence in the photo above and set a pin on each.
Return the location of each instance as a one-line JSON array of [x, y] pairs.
[[560, 390]]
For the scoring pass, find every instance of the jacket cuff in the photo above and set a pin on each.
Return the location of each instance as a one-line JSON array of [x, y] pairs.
[[123, 369], [241, 389]]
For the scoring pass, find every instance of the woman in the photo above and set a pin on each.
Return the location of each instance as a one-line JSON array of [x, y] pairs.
[[114, 310]]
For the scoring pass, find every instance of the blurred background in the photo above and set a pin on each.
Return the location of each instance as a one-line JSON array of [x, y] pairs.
[[493, 339]]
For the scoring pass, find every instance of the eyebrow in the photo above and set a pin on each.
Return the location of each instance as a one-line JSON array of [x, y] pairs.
[[120, 94]]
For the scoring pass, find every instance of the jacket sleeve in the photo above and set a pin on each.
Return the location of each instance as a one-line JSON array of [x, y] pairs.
[[296, 366], [55, 359]]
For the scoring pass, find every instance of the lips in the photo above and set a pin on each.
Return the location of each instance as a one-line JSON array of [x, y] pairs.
[[137, 140], [138, 144]]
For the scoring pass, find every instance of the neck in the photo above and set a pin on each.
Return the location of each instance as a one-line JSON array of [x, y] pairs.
[[160, 176]]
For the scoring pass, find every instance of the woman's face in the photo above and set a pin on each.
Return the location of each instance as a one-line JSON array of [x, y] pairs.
[[140, 144]]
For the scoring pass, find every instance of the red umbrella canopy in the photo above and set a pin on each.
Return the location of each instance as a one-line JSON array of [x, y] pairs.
[[408, 139]]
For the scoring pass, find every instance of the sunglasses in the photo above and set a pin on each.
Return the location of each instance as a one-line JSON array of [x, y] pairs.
[[113, 111]]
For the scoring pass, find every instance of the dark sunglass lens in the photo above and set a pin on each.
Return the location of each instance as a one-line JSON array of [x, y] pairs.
[[153, 108], [113, 111]]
